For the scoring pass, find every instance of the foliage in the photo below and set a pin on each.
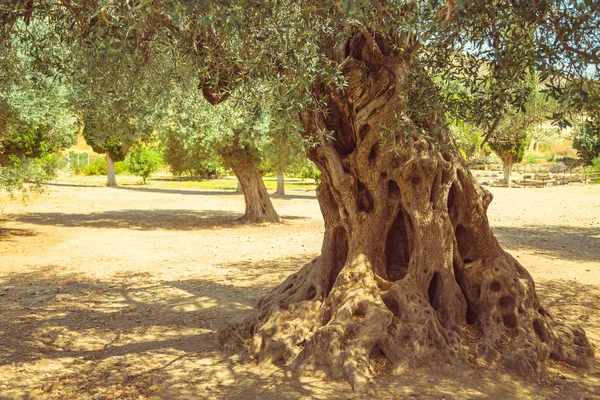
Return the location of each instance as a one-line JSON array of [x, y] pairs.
[[596, 164], [143, 161], [469, 140], [309, 170], [99, 167], [36, 119], [587, 140]]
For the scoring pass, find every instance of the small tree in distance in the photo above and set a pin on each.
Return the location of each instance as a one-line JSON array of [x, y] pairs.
[[143, 162], [587, 140]]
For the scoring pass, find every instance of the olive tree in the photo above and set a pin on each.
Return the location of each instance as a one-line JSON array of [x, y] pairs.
[[409, 268], [36, 119]]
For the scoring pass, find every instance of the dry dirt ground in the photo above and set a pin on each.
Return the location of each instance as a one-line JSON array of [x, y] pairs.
[[119, 293]]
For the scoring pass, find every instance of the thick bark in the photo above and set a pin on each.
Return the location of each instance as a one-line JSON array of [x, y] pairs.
[[410, 272], [111, 179], [280, 185], [507, 168]]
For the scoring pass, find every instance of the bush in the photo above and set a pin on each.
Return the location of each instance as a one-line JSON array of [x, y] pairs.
[[143, 162], [96, 167], [120, 168], [587, 140], [596, 164], [309, 170]]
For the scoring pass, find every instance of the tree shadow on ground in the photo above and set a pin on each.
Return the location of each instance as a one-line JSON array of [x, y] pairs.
[[72, 336], [183, 220], [7, 233], [563, 242], [135, 187], [576, 302], [180, 220]]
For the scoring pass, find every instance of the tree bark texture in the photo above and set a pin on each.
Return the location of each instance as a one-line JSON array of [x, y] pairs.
[[280, 185], [111, 179], [258, 204], [410, 272]]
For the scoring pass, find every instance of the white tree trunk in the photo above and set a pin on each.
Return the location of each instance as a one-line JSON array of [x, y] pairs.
[[111, 180], [507, 166], [280, 185], [239, 188]]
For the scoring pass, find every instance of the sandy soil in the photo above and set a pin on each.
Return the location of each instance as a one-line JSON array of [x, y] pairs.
[[119, 293]]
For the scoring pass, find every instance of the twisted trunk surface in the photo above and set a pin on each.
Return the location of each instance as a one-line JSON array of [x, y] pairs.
[[410, 272]]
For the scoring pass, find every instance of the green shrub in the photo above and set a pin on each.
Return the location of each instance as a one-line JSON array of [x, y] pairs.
[[587, 140], [310, 170], [96, 167], [143, 161], [120, 168], [596, 164]]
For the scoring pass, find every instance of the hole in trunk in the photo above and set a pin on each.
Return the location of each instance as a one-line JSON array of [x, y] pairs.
[[393, 189], [495, 287], [507, 302], [365, 198], [312, 292], [361, 311], [392, 305], [397, 249], [509, 320], [471, 316], [373, 153], [340, 252], [464, 240], [435, 285]]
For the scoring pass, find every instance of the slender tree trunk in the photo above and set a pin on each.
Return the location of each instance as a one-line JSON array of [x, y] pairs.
[[239, 187], [507, 167], [111, 179], [258, 204], [280, 185], [410, 272]]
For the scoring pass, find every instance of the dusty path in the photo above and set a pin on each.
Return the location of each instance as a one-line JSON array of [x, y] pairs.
[[119, 293]]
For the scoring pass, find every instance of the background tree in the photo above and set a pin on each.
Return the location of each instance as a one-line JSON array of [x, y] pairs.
[[587, 140], [408, 258], [36, 119], [143, 161], [285, 150], [120, 102]]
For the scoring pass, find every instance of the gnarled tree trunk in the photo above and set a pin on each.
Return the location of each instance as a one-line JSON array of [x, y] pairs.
[[258, 204], [111, 179], [410, 271]]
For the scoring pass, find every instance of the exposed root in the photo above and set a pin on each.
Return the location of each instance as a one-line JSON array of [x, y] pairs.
[[516, 330]]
